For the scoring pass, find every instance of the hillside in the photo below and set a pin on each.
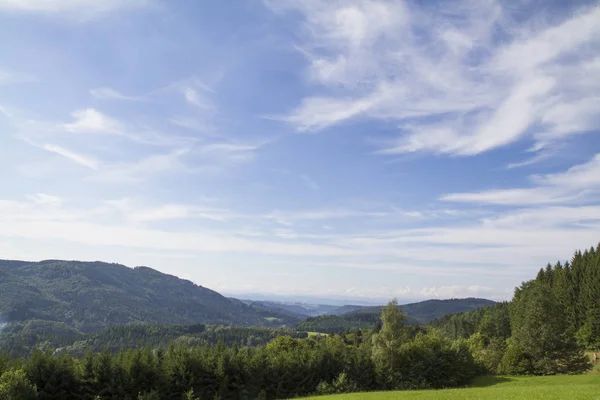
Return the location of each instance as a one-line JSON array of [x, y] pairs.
[[365, 317], [57, 303], [295, 309], [89, 296], [428, 310]]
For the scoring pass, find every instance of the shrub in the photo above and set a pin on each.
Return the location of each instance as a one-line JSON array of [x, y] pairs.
[[15, 386]]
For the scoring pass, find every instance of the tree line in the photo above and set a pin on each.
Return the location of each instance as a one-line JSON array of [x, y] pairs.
[[546, 327], [394, 357]]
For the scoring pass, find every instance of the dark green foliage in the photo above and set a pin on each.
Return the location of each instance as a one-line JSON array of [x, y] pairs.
[[386, 345], [59, 301], [555, 317], [286, 367], [492, 321], [543, 341], [338, 323], [15, 386], [423, 362], [431, 361], [546, 326], [120, 337], [487, 352]]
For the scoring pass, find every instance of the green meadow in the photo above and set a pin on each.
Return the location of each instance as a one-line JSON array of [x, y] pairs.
[[563, 387]]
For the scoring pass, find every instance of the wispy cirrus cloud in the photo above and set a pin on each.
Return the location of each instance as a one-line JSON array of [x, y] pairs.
[[575, 184], [106, 93], [139, 211], [90, 120], [76, 8], [444, 76], [151, 166], [95, 132], [198, 159], [80, 159]]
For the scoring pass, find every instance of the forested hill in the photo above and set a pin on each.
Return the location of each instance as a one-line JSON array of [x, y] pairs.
[[428, 310], [88, 296], [366, 317], [570, 290], [72, 297]]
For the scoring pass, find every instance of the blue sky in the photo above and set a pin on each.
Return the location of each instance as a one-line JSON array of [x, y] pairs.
[[355, 149]]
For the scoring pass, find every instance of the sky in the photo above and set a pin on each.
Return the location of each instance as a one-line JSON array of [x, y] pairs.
[[344, 149]]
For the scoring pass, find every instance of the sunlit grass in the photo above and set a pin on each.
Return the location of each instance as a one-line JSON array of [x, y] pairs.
[[579, 387]]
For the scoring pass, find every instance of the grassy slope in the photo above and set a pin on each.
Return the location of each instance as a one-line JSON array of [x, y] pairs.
[[579, 387]]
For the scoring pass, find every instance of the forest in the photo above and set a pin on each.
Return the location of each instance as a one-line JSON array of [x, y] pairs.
[[543, 330]]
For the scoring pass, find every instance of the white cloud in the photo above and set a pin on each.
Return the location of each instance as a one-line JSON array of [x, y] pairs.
[[86, 161], [112, 94], [290, 217], [444, 77], [78, 8], [456, 291], [226, 152], [145, 168], [530, 161], [194, 124], [137, 211], [195, 98], [78, 226], [90, 120], [576, 183], [209, 158], [5, 111]]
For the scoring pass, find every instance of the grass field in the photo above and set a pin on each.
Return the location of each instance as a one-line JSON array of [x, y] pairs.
[[578, 387]]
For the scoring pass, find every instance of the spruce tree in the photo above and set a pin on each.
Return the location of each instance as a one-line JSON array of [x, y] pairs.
[[542, 333]]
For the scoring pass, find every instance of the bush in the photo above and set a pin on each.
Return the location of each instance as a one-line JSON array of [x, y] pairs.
[[487, 352], [15, 386], [342, 384], [433, 362], [515, 361]]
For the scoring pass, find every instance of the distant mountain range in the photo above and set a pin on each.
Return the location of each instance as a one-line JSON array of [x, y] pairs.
[[366, 317], [296, 309], [65, 297]]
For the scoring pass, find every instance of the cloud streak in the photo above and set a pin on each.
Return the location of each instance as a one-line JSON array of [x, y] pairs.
[[76, 8], [578, 183], [106, 93], [77, 158], [442, 74]]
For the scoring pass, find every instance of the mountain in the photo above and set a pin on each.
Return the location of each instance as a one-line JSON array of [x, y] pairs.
[[297, 309], [89, 296], [366, 317], [65, 299], [423, 311]]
